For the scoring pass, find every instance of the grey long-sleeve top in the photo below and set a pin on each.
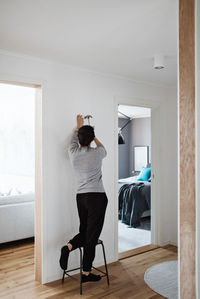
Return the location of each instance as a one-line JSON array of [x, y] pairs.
[[87, 163]]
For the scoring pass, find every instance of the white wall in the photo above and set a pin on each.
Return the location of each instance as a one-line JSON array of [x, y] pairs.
[[66, 92], [169, 168]]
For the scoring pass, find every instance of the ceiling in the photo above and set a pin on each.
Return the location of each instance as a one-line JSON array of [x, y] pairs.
[[119, 37], [133, 111]]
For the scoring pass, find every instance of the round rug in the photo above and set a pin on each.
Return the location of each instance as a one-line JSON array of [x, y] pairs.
[[163, 279]]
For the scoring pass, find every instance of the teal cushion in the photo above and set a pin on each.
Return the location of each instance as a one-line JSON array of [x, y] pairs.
[[145, 174]]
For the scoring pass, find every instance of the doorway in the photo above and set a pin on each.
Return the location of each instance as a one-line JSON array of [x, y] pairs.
[[21, 164], [152, 156], [134, 177]]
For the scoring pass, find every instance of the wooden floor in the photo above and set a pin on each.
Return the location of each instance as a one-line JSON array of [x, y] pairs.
[[126, 277]]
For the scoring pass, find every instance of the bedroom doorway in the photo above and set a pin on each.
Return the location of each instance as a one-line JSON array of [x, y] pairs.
[[134, 177], [21, 165], [153, 158]]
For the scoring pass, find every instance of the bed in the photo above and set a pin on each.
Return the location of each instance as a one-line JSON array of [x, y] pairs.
[[17, 204], [134, 200]]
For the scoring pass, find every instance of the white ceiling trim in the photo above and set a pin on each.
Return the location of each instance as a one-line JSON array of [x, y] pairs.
[[69, 66]]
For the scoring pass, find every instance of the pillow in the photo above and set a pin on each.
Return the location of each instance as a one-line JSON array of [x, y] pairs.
[[145, 174]]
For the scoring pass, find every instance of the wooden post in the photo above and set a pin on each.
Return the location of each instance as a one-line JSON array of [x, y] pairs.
[[187, 222]]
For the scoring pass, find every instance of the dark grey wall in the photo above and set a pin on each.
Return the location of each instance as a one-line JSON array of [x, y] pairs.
[[124, 150], [140, 135], [137, 132]]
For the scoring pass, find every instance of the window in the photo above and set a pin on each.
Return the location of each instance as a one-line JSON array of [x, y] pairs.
[[17, 157]]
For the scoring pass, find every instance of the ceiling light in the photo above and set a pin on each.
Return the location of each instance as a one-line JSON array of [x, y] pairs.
[[158, 62]]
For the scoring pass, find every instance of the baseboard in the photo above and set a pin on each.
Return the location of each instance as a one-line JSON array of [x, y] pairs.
[[17, 243], [173, 243], [136, 251], [162, 244]]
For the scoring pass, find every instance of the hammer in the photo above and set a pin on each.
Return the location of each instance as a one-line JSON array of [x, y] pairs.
[[88, 118]]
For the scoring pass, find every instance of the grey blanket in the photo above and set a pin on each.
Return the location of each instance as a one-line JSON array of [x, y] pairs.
[[134, 199]]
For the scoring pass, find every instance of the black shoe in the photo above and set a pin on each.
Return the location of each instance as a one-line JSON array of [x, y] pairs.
[[90, 277], [64, 257]]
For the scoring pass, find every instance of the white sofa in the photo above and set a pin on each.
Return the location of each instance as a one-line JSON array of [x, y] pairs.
[[16, 217]]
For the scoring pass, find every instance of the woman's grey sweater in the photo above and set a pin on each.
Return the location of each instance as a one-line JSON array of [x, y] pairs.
[[87, 163]]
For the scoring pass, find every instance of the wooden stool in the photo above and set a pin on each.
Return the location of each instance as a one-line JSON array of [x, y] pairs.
[[66, 272]]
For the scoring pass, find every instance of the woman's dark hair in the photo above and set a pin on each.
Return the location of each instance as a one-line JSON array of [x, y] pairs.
[[85, 135]]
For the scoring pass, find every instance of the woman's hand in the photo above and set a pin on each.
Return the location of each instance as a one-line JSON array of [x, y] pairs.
[[97, 142], [80, 121]]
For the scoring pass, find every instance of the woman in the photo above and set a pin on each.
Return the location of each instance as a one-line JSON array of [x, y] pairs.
[[91, 197]]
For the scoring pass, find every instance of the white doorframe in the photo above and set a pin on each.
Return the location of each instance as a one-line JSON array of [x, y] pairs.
[[38, 85], [155, 160]]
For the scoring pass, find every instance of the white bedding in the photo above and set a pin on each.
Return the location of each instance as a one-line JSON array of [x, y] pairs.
[[129, 180], [16, 184], [17, 199]]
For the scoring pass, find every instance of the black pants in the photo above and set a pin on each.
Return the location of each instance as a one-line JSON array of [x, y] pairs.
[[91, 210]]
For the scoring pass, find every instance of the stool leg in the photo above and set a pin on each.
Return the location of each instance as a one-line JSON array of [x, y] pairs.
[[63, 276], [81, 268], [105, 263]]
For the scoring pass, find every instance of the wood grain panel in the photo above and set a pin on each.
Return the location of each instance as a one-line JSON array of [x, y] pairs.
[[187, 148], [126, 277]]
